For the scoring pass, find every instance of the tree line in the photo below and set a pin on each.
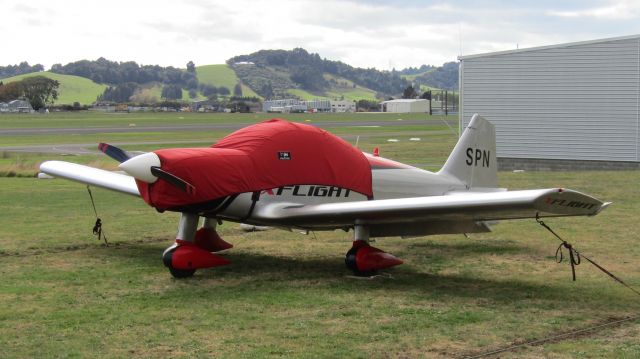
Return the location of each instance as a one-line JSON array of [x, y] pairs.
[[116, 73], [20, 69]]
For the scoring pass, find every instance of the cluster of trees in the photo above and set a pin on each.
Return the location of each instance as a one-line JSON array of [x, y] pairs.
[[368, 106], [39, 90], [416, 70], [444, 77], [411, 93], [211, 91], [119, 93], [132, 92], [117, 73], [306, 71], [22, 68]]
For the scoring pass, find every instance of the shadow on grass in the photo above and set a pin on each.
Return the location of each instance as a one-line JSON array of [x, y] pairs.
[[260, 272], [469, 248]]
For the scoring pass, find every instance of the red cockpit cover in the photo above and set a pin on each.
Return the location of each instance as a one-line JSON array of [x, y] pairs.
[[266, 155]]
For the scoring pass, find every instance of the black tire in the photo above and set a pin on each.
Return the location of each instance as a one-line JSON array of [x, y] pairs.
[[176, 273], [350, 262], [181, 273]]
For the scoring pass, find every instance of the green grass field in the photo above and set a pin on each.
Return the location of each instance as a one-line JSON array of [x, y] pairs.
[[222, 75], [64, 294], [72, 88]]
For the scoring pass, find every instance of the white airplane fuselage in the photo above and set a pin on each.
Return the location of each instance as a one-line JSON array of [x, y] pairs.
[[388, 183]]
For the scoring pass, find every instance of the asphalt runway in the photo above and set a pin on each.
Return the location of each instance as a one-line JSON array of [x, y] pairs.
[[209, 127]]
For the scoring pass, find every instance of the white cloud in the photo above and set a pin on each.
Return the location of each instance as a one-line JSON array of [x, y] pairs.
[[615, 11], [380, 34]]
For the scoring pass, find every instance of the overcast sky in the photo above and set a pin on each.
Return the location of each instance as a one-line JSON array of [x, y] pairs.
[[373, 33]]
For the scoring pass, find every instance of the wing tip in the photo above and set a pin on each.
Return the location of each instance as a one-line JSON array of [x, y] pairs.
[[602, 207]]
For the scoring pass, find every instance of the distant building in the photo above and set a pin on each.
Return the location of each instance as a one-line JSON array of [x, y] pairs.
[[105, 107], [206, 106], [405, 106], [279, 105], [20, 106], [343, 106], [317, 105], [4, 107]]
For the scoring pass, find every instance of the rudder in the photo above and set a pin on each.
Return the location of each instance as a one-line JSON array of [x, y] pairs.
[[473, 160]]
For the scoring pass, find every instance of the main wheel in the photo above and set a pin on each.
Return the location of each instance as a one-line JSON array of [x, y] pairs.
[[350, 261], [167, 259]]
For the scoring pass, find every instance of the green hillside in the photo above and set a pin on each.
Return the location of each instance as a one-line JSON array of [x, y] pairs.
[[413, 77], [354, 94], [72, 88], [221, 75], [339, 88]]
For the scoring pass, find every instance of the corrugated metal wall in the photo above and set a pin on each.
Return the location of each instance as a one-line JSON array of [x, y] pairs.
[[575, 102]]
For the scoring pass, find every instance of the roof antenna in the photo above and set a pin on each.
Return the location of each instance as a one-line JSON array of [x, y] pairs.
[[357, 140], [460, 34]]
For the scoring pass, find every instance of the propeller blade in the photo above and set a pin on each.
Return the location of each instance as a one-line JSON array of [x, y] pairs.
[[114, 152], [174, 180]]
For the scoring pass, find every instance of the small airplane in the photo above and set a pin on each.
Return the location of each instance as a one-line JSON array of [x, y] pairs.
[[298, 177]]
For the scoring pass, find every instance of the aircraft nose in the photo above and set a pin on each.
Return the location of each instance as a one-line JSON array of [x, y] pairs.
[[139, 167]]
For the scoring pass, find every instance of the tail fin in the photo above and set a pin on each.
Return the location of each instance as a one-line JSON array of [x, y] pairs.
[[473, 160]]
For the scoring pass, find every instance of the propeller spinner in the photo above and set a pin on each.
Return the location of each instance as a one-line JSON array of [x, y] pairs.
[[146, 168]]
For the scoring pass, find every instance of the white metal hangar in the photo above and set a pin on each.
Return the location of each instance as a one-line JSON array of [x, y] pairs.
[[405, 106], [567, 106]]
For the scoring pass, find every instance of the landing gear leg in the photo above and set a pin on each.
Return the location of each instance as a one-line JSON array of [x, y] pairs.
[[365, 260], [186, 233]]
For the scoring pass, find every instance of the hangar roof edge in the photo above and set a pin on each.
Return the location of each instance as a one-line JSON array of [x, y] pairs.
[[568, 44]]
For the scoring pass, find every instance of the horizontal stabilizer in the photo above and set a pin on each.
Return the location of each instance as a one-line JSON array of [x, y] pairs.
[[91, 176]]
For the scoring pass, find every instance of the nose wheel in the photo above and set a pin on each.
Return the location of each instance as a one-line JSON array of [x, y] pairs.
[[167, 259], [188, 253]]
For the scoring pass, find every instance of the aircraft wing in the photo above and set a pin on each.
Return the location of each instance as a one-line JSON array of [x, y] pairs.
[[455, 213], [91, 176]]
